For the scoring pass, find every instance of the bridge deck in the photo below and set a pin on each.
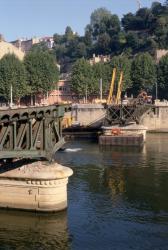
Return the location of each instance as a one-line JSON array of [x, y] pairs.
[[31, 132]]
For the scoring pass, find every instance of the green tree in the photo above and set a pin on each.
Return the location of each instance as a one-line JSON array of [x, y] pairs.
[[143, 72], [98, 15], [82, 77], [103, 28], [101, 71], [122, 63], [12, 72], [42, 71], [162, 75], [69, 35]]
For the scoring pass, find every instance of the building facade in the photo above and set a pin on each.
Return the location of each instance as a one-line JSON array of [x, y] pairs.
[[25, 45], [100, 58], [7, 48]]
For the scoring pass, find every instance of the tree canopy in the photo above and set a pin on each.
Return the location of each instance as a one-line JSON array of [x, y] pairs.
[[41, 70], [145, 30], [81, 77], [12, 73], [143, 72], [163, 77], [122, 63]]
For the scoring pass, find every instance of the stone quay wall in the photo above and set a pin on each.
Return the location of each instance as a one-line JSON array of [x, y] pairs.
[[92, 115], [156, 119]]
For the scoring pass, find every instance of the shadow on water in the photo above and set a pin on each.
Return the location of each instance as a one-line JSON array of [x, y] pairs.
[[27, 230], [118, 197]]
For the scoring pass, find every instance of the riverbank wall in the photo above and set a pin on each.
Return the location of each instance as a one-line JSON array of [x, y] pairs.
[[92, 115]]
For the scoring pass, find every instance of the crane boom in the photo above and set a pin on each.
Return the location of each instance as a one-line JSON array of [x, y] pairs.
[[109, 100], [118, 97]]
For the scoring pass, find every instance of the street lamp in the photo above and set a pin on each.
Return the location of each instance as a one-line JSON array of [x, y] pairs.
[[156, 90]]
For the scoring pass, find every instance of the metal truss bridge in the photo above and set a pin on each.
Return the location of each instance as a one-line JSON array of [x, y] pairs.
[[125, 114], [33, 132]]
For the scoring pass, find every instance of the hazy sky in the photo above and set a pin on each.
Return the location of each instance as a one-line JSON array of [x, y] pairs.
[[28, 18]]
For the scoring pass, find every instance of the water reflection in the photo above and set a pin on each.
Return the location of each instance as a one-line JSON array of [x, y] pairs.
[[114, 179], [26, 230]]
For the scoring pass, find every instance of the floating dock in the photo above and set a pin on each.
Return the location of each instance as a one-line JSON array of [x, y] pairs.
[[131, 135], [121, 140]]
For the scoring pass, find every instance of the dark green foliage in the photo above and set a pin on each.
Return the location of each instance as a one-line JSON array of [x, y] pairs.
[[12, 72], [101, 71], [143, 73], [82, 77], [122, 63], [163, 77], [148, 26], [41, 70], [133, 36]]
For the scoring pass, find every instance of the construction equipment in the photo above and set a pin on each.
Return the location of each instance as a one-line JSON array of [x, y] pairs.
[[111, 98], [118, 97], [142, 98]]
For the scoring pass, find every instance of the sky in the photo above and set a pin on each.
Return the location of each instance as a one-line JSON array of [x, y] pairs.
[[34, 18]]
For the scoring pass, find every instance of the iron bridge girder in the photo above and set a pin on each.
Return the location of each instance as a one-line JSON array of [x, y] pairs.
[[33, 132], [124, 114]]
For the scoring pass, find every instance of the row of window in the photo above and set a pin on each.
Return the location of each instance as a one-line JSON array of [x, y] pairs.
[[62, 88]]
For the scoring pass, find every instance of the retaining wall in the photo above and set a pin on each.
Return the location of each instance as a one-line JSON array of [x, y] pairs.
[[93, 115]]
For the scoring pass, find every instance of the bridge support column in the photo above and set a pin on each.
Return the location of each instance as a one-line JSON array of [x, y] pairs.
[[38, 186]]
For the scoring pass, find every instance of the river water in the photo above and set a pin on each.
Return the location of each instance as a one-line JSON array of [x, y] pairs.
[[118, 199]]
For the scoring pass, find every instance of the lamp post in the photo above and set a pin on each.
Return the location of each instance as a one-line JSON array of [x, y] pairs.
[[86, 94], [100, 89], [11, 96], [156, 91]]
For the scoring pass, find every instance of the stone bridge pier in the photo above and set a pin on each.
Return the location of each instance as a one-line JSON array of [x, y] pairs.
[[25, 182], [39, 186]]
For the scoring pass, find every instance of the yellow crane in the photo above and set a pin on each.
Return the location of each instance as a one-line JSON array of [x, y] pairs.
[[110, 96], [118, 97], [111, 99]]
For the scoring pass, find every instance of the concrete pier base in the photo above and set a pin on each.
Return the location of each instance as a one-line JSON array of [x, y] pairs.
[[37, 186]]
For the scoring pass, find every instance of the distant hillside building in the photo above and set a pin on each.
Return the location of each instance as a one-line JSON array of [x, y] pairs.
[[62, 93], [100, 58], [160, 53], [8, 48], [26, 44]]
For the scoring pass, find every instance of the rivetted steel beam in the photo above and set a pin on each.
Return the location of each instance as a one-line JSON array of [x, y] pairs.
[[31, 132]]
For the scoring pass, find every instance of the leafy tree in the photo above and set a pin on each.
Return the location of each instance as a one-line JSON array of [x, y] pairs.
[[128, 22], [143, 72], [145, 30], [162, 74], [69, 35], [103, 44], [103, 27], [101, 71], [122, 63], [82, 77], [133, 40], [58, 39], [12, 72], [98, 15], [81, 50], [42, 71]]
